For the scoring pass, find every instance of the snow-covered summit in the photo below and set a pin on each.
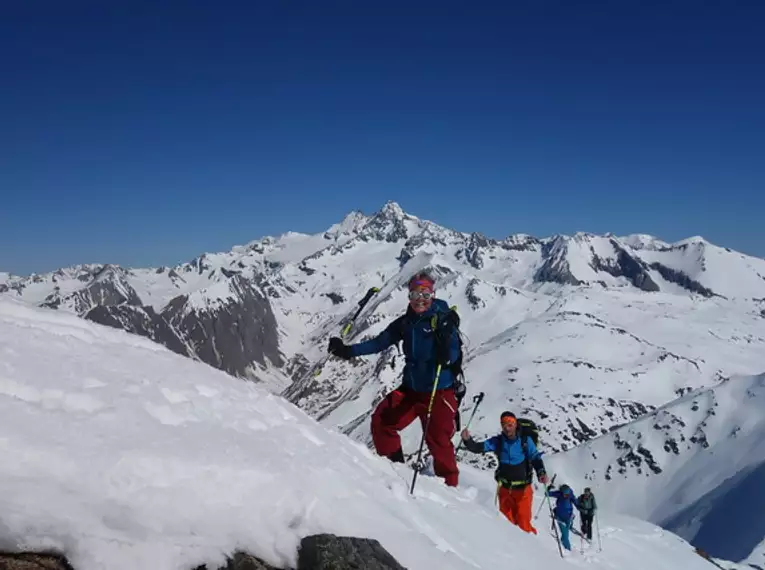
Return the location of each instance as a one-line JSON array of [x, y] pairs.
[[123, 455], [349, 226], [643, 241]]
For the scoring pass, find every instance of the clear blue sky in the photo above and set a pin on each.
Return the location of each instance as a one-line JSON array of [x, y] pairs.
[[145, 133]]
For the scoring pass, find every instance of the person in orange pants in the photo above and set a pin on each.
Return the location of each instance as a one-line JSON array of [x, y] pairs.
[[517, 456], [515, 504]]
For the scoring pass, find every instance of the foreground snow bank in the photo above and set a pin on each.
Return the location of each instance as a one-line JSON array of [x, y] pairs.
[[124, 455]]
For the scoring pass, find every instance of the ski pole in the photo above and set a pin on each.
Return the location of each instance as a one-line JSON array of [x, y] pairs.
[[478, 398], [542, 504], [597, 528], [418, 464], [555, 526]]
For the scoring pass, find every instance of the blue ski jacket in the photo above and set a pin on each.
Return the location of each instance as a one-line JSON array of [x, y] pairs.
[[419, 350], [510, 451], [514, 469], [564, 503]]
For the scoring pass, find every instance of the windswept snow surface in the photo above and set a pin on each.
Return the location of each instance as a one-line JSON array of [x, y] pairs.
[[125, 455]]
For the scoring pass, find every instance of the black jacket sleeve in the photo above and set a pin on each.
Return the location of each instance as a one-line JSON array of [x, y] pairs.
[[538, 466], [473, 445]]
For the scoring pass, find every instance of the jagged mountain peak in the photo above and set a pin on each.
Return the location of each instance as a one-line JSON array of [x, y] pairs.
[[393, 209], [350, 225]]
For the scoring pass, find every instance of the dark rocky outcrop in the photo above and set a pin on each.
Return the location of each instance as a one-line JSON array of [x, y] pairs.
[[244, 561], [625, 265], [317, 552], [386, 225], [475, 248], [679, 278], [143, 321], [330, 552], [555, 268], [108, 287], [232, 335], [33, 561]]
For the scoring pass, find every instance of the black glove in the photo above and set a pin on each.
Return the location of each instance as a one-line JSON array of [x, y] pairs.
[[444, 330], [459, 390], [441, 341], [339, 349]]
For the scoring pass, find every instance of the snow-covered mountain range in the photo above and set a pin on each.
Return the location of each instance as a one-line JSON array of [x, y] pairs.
[[120, 454], [582, 333]]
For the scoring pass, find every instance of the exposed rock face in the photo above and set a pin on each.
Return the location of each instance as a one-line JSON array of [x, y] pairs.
[[230, 336], [231, 333], [107, 286], [678, 277], [142, 321], [32, 561], [555, 268], [627, 266], [244, 561], [317, 552], [330, 552]]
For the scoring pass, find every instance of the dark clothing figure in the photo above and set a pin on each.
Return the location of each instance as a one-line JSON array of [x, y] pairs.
[[587, 507]]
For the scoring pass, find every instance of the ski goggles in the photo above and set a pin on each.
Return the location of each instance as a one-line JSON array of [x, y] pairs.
[[508, 421], [414, 295]]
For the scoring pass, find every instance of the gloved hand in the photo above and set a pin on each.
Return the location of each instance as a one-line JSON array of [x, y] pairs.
[[459, 390], [442, 351], [443, 335], [339, 349]]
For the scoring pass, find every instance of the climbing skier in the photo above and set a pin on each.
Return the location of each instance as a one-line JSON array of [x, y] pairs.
[[430, 335], [587, 506], [517, 455], [563, 511]]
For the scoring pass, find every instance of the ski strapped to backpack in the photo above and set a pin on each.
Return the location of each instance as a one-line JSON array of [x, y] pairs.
[[371, 292]]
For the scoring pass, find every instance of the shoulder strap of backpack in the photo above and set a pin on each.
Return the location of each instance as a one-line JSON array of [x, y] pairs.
[[525, 447]]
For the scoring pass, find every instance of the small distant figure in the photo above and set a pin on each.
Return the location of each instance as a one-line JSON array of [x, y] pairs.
[[563, 511], [587, 507]]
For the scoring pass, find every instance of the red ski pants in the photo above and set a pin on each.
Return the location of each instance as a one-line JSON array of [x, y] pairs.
[[400, 408]]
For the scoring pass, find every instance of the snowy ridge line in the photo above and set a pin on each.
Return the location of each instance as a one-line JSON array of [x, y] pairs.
[[121, 454]]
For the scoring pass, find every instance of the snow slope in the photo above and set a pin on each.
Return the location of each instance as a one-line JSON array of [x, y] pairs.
[[757, 557], [696, 466], [125, 455], [582, 333]]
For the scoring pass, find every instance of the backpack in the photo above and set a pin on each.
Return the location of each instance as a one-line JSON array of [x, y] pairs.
[[444, 326], [529, 429], [586, 503], [526, 429]]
